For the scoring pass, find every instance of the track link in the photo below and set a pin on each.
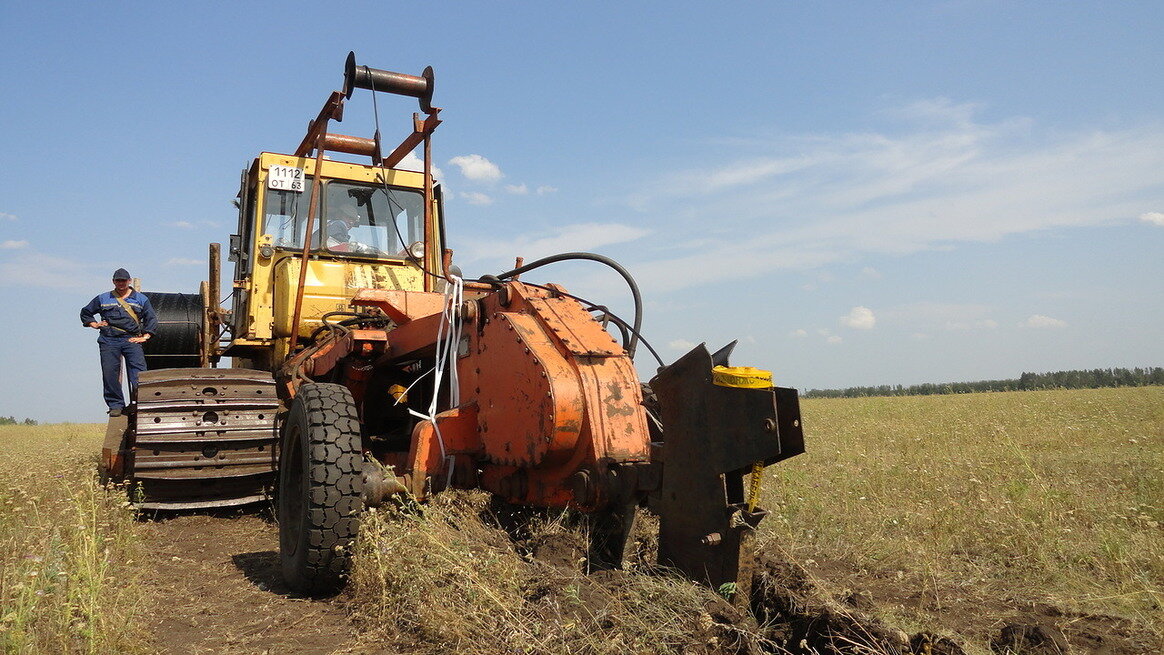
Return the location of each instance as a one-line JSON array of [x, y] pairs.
[[202, 437]]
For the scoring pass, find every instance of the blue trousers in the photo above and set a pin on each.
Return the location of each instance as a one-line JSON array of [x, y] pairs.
[[113, 350]]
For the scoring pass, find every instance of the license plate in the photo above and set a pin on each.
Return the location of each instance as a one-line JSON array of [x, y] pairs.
[[286, 178]]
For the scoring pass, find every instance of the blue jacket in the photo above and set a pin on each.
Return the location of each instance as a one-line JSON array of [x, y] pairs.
[[121, 324]]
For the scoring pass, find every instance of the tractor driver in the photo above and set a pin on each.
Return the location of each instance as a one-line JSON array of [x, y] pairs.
[[339, 238], [127, 321]]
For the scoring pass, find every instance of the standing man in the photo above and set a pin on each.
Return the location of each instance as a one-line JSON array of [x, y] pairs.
[[127, 321]]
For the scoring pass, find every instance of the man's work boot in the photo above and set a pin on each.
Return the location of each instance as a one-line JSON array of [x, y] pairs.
[[115, 411]]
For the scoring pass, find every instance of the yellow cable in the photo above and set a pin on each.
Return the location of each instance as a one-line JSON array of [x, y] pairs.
[[754, 486]]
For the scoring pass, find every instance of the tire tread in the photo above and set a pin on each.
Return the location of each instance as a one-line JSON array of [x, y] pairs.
[[333, 488]]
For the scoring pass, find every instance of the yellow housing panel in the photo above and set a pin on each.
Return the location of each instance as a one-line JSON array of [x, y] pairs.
[[330, 285], [341, 170]]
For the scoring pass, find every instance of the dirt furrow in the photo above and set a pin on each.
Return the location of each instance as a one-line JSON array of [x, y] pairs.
[[214, 587]]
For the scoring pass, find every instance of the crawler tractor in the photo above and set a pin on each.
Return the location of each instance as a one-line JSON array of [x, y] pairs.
[[365, 367]]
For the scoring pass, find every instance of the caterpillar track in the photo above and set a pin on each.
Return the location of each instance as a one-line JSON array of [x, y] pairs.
[[197, 438]]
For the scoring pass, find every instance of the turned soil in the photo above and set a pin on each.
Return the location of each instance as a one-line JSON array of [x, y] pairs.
[[215, 587]]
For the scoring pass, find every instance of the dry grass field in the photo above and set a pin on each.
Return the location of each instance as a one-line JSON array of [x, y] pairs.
[[954, 512], [946, 514], [67, 547], [452, 581]]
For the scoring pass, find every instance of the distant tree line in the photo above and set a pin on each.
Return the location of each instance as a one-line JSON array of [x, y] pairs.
[[11, 420], [1092, 379]]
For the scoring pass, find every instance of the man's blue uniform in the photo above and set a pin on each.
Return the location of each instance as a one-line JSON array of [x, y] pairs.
[[114, 340]]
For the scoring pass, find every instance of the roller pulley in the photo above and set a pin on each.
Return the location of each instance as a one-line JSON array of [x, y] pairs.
[[375, 79], [353, 145]]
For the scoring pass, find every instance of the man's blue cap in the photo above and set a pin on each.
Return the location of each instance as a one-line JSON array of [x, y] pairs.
[[121, 274]]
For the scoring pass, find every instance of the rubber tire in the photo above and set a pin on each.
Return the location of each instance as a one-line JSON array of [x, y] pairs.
[[320, 488]]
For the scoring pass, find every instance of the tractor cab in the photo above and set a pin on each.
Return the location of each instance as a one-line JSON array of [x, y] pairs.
[[371, 226]]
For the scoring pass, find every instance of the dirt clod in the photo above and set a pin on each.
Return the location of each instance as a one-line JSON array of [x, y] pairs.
[[1022, 639], [860, 600], [928, 643], [563, 549], [799, 619]]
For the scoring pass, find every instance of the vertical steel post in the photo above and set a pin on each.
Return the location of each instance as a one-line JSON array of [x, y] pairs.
[[213, 317], [316, 185], [430, 251]]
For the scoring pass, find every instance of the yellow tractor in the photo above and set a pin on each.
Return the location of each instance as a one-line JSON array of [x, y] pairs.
[[365, 366]]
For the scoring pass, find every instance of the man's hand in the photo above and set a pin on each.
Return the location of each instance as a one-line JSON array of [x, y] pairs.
[[364, 249], [97, 325], [142, 339]]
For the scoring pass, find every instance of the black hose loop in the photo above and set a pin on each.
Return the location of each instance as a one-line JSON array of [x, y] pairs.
[[602, 259]]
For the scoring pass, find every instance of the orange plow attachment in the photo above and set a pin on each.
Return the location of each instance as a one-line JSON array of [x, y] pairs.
[[544, 408]]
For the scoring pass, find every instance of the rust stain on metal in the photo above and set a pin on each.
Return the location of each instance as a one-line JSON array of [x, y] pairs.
[[615, 390]]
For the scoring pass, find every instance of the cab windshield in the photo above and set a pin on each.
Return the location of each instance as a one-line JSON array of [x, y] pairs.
[[360, 219]]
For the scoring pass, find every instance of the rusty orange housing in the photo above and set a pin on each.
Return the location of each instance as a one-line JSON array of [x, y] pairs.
[[549, 404]]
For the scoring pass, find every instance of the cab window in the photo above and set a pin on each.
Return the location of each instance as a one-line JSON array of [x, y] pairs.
[[360, 219], [286, 216], [372, 220]]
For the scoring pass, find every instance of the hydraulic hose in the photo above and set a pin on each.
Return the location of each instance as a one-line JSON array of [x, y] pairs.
[[602, 259]]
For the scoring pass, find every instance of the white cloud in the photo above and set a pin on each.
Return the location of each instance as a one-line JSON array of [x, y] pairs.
[[682, 345], [4, 216], [185, 225], [942, 178], [798, 333], [938, 112], [517, 189], [475, 198], [183, 261], [13, 245], [870, 273], [546, 189], [964, 326], [940, 316], [581, 236], [834, 339], [477, 168], [859, 318], [1155, 218], [1039, 321], [32, 269], [413, 163]]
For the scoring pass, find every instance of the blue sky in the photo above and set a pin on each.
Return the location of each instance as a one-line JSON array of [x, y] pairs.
[[862, 193]]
